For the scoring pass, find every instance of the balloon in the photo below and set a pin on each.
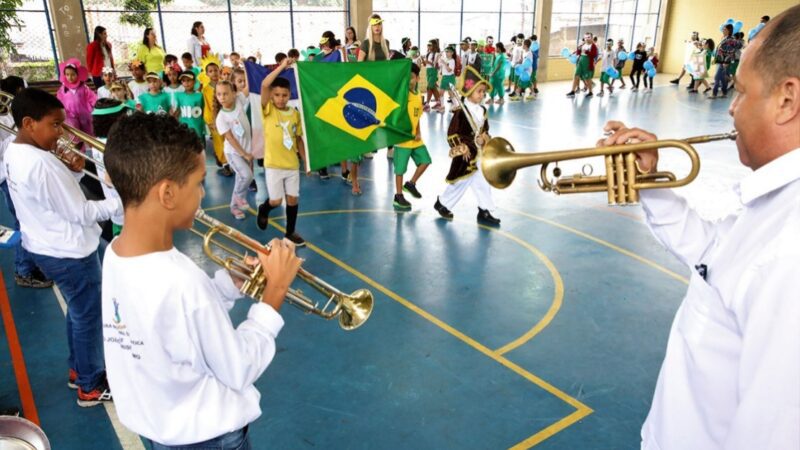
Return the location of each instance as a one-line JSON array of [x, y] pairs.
[[622, 56], [651, 72], [573, 59], [525, 77], [527, 64], [612, 72], [737, 27], [519, 70], [565, 52], [730, 22], [648, 65], [535, 46]]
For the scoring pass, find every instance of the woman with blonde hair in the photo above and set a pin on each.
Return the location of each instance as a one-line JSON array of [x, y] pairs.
[[374, 47]]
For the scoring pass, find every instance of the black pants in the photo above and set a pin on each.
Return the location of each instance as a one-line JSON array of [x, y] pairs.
[[648, 80], [637, 72]]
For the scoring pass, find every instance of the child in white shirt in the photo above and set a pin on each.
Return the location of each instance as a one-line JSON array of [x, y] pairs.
[[233, 126]]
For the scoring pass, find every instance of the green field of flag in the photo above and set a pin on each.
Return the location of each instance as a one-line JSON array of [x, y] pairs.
[[352, 108]]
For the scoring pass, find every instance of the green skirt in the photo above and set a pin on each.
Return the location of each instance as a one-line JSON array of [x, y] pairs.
[[433, 78], [582, 69]]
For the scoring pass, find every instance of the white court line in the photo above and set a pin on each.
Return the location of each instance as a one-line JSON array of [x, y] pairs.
[[127, 439]]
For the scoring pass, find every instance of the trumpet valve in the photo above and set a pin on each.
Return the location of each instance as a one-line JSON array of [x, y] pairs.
[[253, 286]]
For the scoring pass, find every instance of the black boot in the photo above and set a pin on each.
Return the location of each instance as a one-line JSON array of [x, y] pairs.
[[442, 210], [485, 217], [263, 215]]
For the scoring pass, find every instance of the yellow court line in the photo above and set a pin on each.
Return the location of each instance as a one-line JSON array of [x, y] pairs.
[[616, 248], [558, 295], [581, 410]]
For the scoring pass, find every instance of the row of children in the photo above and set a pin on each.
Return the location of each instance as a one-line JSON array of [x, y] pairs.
[[701, 53], [587, 55]]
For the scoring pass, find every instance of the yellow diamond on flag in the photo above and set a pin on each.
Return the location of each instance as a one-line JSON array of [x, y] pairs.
[[358, 109]]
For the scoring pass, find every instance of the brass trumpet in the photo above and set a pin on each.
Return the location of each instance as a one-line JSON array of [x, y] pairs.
[[622, 181], [65, 149], [351, 309]]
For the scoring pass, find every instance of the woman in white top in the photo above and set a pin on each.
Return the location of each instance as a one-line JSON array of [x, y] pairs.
[[197, 44]]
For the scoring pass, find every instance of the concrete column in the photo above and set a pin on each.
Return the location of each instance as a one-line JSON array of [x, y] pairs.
[[70, 29], [544, 11], [360, 10]]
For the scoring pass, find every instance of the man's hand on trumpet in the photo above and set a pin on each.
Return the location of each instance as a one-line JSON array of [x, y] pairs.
[[646, 160]]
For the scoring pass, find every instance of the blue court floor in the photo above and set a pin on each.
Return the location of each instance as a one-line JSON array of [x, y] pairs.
[[546, 332]]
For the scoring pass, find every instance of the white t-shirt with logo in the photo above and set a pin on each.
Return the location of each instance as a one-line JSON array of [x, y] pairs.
[[235, 121]]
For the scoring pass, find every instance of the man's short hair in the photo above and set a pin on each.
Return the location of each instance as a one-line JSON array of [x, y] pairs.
[[33, 103], [144, 149], [293, 53], [777, 57], [280, 82]]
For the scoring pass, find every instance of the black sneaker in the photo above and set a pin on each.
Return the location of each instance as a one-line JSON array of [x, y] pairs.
[[296, 239], [411, 188], [675, 81], [590, 94], [442, 210], [253, 186], [485, 217], [535, 91], [263, 216], [346, 176], [401, 203], [12, 411], [225, 171], [36, 280], [101, 393], [323, 174], [571, 94]]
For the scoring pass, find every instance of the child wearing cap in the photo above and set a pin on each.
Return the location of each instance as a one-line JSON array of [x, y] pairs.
[[154, 100], [120, 92], [465, 142], [108, 78], [189, 105]]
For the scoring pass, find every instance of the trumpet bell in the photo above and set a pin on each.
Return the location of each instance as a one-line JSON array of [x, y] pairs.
[[494, 157], [356, 309]]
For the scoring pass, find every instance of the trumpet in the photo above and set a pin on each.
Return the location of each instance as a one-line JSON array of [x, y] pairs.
[[622, 181], [352, 309], [65, 149]]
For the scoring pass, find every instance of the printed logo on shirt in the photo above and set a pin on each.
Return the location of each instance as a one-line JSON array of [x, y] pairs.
[[117, 318], [191, 112]]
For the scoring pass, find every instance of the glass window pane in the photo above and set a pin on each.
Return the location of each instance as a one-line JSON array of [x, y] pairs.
[[492, 6], [620, 27], [444, 26], [566, 6], [319, 5], [178, 28], [595, 24], [519, 5], [563, 33], [479, 25], [648, 6], [514, 23], [397, 25], [623, 6], [253, 37], [308, 27], [188, 6], [595, 7], [250, 5], [393, 5], [442, 5], [645, 29]]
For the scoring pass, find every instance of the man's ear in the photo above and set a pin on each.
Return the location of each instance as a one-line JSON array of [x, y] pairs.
[[788, 94]]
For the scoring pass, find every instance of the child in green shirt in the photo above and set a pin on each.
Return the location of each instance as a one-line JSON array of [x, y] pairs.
[[154, 100], [414, 149], [189, 105]]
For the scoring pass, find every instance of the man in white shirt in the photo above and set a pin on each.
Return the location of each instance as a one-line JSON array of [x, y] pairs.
[[60, 231], [731, 373]]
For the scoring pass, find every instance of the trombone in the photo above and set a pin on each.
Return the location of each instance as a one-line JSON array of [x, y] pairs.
[[65, 149], [352, 309], [622, 181]]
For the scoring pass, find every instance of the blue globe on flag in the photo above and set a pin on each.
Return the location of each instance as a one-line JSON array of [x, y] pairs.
[[359, 112]]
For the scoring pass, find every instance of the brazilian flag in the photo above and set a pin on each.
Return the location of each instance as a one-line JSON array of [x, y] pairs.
[[353, 108]]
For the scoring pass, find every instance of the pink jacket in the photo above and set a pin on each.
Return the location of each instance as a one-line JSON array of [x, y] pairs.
[[78, 105]]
